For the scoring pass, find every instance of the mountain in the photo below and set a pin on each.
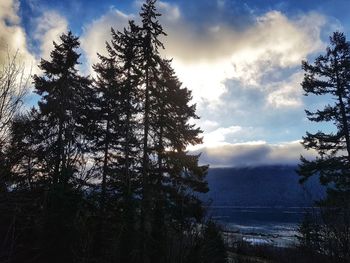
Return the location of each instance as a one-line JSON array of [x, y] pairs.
[[268, 186]]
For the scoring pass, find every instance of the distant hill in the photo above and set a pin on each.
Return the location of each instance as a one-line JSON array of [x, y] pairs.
[[270, 186]]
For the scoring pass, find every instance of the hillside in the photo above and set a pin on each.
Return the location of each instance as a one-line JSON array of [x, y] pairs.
[[271, 186]]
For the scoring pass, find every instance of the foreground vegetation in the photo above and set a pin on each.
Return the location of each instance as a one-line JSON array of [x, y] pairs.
[[247, 253]]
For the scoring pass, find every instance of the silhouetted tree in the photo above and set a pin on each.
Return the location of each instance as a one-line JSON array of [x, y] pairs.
[[150, 44], [62, 92], [125, 46], [176, 176], [13, 88], [99, 171], [330, 76], [61, 108], [213, 249], [21, 206], [115, 142], [170, 176]]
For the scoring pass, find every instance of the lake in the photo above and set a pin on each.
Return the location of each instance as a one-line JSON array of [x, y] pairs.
[[275, 226]]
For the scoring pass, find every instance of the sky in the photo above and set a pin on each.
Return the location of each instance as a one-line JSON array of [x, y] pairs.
[[241, 59]]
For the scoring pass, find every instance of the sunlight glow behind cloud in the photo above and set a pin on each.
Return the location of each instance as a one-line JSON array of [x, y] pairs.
[[263, 58], [245, 76], [273, 43]]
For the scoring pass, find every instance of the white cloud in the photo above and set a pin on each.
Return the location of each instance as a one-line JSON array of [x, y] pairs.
[[96, 34], [12, 36], [219, 135], [49, 27], [206, 80], [207, 125], [170, 12], [287, 93], [9, 10], [275, 42]]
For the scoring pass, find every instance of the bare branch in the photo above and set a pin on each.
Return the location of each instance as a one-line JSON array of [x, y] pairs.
[[13, 89]]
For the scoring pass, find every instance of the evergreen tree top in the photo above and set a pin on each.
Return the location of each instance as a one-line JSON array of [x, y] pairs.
[[63, 57], [151, 26], [330, 73]]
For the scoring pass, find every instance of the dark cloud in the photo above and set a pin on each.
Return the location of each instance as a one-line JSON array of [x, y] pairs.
[[253, 154]]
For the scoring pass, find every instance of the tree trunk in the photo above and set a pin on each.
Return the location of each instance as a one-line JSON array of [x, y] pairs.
[[343, 115], [145, 212]]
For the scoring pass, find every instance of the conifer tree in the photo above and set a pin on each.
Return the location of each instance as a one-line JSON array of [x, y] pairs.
[[126, 47], [114, 134], [22, 210], [132, 127], [23, 152], [150, 44], [177, 177], [330, 76], [63, 94], [213, 249], [169, 174]]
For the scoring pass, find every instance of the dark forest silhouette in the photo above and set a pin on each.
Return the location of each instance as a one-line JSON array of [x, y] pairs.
[[98, 170]]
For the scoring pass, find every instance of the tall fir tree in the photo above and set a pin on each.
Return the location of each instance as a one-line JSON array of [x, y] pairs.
[[125, 46], [24, 150], [114, 132], [63, 92], [330, 75], [150, 44], [177, 177], [61, 110], [169, 173]]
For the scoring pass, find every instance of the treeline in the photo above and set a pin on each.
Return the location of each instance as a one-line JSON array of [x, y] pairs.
[[98, 170]]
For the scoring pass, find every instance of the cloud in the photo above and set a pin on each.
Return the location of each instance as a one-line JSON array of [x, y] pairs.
[[49, 27], [220, 135], [206, 58], [247, 74], [207, 55], [96, 33], [8, 11], [12, 36], [286, 93], [171, 12], [208, 125], [253, 153], [271, 33]]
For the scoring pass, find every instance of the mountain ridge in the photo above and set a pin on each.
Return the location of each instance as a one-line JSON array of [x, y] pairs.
[[263, 186]]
